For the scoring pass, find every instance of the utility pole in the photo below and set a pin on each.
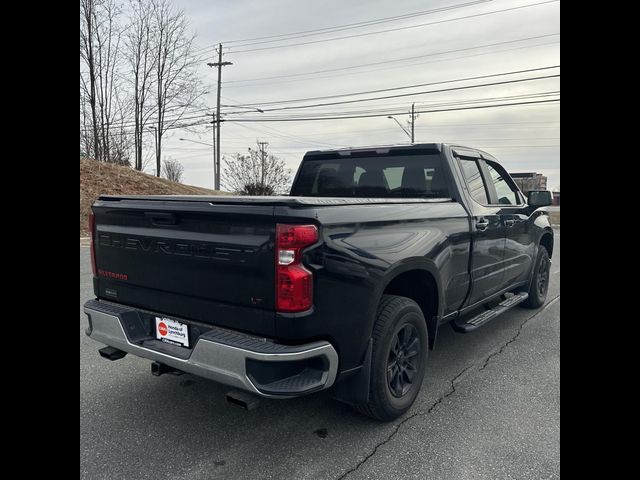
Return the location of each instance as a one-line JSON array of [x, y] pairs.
[[413, 121], [219, 64], [216, 176], [262, 156]]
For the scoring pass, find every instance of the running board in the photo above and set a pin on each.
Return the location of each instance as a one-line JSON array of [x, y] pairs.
[[466, 325]]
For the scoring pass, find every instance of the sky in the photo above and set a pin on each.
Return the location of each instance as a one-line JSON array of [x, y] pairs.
[[523, 138]]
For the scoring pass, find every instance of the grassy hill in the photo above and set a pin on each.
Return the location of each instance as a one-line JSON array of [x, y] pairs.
[[98, 178]]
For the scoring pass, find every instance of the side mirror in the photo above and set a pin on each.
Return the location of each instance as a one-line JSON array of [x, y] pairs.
[[540, 198]]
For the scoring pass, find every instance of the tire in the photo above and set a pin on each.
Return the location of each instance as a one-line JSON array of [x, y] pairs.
[[540, 281], [399, 323]]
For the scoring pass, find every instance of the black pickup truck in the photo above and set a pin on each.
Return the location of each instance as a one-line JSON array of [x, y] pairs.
[[342, 284]]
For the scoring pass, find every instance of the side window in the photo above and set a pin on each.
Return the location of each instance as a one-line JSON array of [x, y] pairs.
[[356, 174], [506, 195], [472, 175]]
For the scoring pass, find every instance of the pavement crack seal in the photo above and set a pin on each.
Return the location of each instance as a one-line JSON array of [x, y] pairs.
[[405, 420], [515, 337]]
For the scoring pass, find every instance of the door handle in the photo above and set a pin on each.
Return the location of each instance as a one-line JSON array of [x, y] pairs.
[[509, 222], [482, 223]]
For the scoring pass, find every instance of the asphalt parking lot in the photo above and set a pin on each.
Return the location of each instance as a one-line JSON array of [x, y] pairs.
[[489, 408]]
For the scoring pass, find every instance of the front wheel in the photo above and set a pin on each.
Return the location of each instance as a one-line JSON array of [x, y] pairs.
[[540, 281], [398, 358]]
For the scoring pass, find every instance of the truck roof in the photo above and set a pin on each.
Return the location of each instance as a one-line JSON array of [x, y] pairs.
[[396, 147]]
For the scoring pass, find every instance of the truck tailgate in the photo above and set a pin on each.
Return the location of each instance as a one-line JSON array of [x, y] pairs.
[[190, 258]]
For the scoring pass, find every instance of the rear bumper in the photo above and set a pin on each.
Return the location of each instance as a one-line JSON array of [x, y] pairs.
[[257, 365]]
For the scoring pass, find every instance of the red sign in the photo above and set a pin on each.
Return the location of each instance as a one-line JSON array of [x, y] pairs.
[[162, 329]]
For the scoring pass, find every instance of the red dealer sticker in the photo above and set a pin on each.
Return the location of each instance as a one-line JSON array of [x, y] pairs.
[[170, 331], [162, 329]]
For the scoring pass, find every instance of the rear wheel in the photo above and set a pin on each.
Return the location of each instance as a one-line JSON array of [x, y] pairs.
[[398, 358], [540, 281]]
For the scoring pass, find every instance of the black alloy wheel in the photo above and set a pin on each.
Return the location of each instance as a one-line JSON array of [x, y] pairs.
[[402, 363]]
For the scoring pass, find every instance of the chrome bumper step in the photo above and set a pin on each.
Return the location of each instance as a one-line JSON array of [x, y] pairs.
[[253, 364]]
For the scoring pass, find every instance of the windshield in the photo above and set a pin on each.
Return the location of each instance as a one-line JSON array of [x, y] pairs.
[[373, 177]]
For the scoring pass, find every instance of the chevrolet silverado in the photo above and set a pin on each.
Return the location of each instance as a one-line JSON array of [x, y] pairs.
[[342, 284]]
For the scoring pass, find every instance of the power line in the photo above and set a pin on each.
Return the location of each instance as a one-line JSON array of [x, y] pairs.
[[187, 125], [399, 95], [393, 29], [191, 117], [194, 117], [442, 103], [393, 107], [381, 90], [338, 29], [173, 127], [390, 61], [548, 124], [130, 123], [350, 25], [394, 67], [301, 119], [274, 132]]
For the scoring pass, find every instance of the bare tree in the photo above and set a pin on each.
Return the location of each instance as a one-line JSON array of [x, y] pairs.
[[172, 170], [141, 63], [86, 132], [121, 145], [134, 77], [87, 56], [177, 85], [258, 173], [100, 35], [107, 48]]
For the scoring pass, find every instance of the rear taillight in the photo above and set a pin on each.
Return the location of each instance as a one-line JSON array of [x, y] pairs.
[[92, 227], [294, 283]]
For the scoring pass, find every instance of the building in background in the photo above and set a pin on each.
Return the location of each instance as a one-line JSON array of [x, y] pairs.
[[556, 198], [528, 181]]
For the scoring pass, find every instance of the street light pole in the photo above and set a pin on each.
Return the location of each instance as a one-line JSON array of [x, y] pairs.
[[413, 123], [255, 109], [195, 141], [403, 129]]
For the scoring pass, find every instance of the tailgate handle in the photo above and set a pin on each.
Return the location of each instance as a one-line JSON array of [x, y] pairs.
[[161, 218]]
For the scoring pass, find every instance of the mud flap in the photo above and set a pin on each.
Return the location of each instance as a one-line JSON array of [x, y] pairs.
[[355, 389]]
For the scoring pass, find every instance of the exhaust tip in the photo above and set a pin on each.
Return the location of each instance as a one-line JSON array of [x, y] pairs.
[[111, 353], [242, 399]]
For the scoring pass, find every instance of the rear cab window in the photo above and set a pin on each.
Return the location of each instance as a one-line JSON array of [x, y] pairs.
[[395, 174]]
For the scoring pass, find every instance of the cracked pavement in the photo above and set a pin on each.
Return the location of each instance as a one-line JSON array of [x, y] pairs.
[[489, 408]]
